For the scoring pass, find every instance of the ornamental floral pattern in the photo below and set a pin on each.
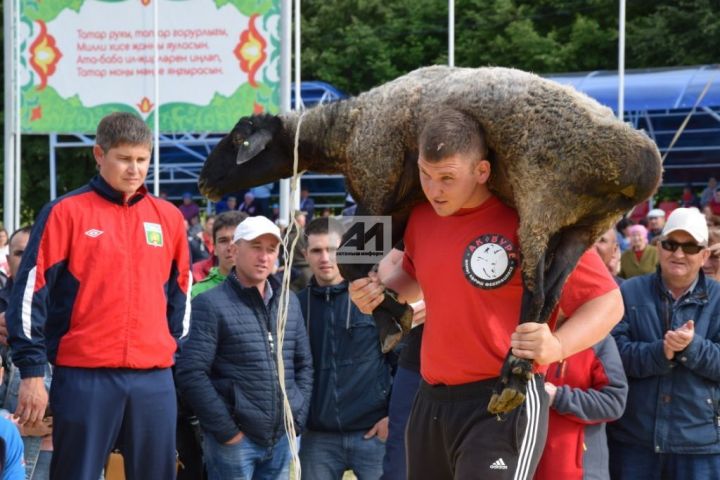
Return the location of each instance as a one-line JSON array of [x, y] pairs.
[[44, 55], [250, 51]]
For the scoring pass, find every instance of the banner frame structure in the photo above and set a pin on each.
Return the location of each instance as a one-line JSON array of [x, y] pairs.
[[11, 135]]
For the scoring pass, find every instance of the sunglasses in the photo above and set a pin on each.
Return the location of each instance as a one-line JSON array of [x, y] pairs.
[[688, 248]]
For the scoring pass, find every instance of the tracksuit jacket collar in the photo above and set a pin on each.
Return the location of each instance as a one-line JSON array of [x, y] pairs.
[[332, 289], [102, 188], [327, 292]]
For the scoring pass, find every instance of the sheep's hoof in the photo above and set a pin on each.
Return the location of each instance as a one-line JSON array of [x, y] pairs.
[[509, 391], [393, 320], [391, 341], [402, 313], [389, 331]]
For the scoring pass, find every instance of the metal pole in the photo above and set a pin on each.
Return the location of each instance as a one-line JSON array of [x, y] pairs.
[[156, 117], [298, 96], [621, 63], [285, 65], [299, 106], [53, 169], [18, 121], [9, 115], [451, 33]]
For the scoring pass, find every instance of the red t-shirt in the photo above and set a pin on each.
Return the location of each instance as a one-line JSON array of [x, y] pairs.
[[714, 207], [468, 266]]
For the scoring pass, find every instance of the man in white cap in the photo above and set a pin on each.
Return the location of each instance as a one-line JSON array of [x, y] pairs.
[[656, 222], [227, 372], [669, 341]]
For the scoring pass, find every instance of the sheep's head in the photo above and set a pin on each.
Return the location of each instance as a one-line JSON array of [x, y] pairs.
[[253, 153]]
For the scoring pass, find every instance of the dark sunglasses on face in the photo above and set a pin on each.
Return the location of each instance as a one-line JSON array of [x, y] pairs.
[[688, 248]]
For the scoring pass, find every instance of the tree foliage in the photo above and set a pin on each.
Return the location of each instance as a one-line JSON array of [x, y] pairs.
[[356, 45]]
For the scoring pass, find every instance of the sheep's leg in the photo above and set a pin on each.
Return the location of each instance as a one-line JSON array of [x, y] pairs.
[[564, 251], [572, 246], [392, 318], [511, 387]]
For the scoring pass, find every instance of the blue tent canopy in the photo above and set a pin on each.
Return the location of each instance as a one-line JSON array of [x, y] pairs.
[[314, 92], [655, 89], [659, 101]]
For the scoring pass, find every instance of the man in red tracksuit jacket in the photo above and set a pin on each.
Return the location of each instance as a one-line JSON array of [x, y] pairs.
[[586, 390], [103, 294]]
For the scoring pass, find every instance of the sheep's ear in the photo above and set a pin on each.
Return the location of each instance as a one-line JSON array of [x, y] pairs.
[[253, 145]]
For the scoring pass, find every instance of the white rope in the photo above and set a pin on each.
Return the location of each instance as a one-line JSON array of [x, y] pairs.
[[283, 307]]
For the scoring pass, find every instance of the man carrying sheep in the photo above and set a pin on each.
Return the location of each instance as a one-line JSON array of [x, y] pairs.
[[462, 253]]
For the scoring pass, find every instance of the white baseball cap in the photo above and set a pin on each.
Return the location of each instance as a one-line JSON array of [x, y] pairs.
[[253, 227], [655, 213], [689, 220]]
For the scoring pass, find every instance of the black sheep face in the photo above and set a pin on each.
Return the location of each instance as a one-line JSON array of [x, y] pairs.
[[252, 154]]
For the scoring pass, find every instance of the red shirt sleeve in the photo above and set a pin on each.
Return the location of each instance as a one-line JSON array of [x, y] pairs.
[[589, 280], [407, 262]]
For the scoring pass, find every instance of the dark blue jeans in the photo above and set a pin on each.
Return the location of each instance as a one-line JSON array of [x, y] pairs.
[[246, 460], [325, 456], [405, 387], [631, 462]]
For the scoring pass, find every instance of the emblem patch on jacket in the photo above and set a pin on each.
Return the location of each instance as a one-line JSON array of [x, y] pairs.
[[153, 234], [490, 261]]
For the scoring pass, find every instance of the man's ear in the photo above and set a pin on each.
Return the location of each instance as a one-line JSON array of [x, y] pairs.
[[482, 171], [98, 153]]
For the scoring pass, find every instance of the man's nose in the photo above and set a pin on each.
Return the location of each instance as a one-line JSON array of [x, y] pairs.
[[434, 188], [679, 252]]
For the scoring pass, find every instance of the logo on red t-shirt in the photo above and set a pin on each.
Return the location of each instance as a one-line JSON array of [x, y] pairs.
[[490, 261]]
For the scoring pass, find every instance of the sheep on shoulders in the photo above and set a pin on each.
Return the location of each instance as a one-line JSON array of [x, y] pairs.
[[563, 161]]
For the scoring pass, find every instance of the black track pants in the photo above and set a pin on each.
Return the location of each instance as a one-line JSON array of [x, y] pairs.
[[451, 435]]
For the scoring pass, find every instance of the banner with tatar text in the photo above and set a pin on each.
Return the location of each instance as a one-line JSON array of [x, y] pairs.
[[82, 59]]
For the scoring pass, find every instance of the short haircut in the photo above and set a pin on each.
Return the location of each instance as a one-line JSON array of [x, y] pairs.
[[26, 229], [323, 226], [450, 132], [623, 223], [122, 128], [231, 218], [713, 236]]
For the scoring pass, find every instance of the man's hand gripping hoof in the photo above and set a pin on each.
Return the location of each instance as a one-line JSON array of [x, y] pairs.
[[510, 389]]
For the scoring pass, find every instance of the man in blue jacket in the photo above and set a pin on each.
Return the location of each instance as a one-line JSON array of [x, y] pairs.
[[348, 424], [228, 373], [669, 342]]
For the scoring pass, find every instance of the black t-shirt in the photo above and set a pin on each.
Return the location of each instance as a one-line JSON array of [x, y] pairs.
[[410, 346], [410, 353]]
